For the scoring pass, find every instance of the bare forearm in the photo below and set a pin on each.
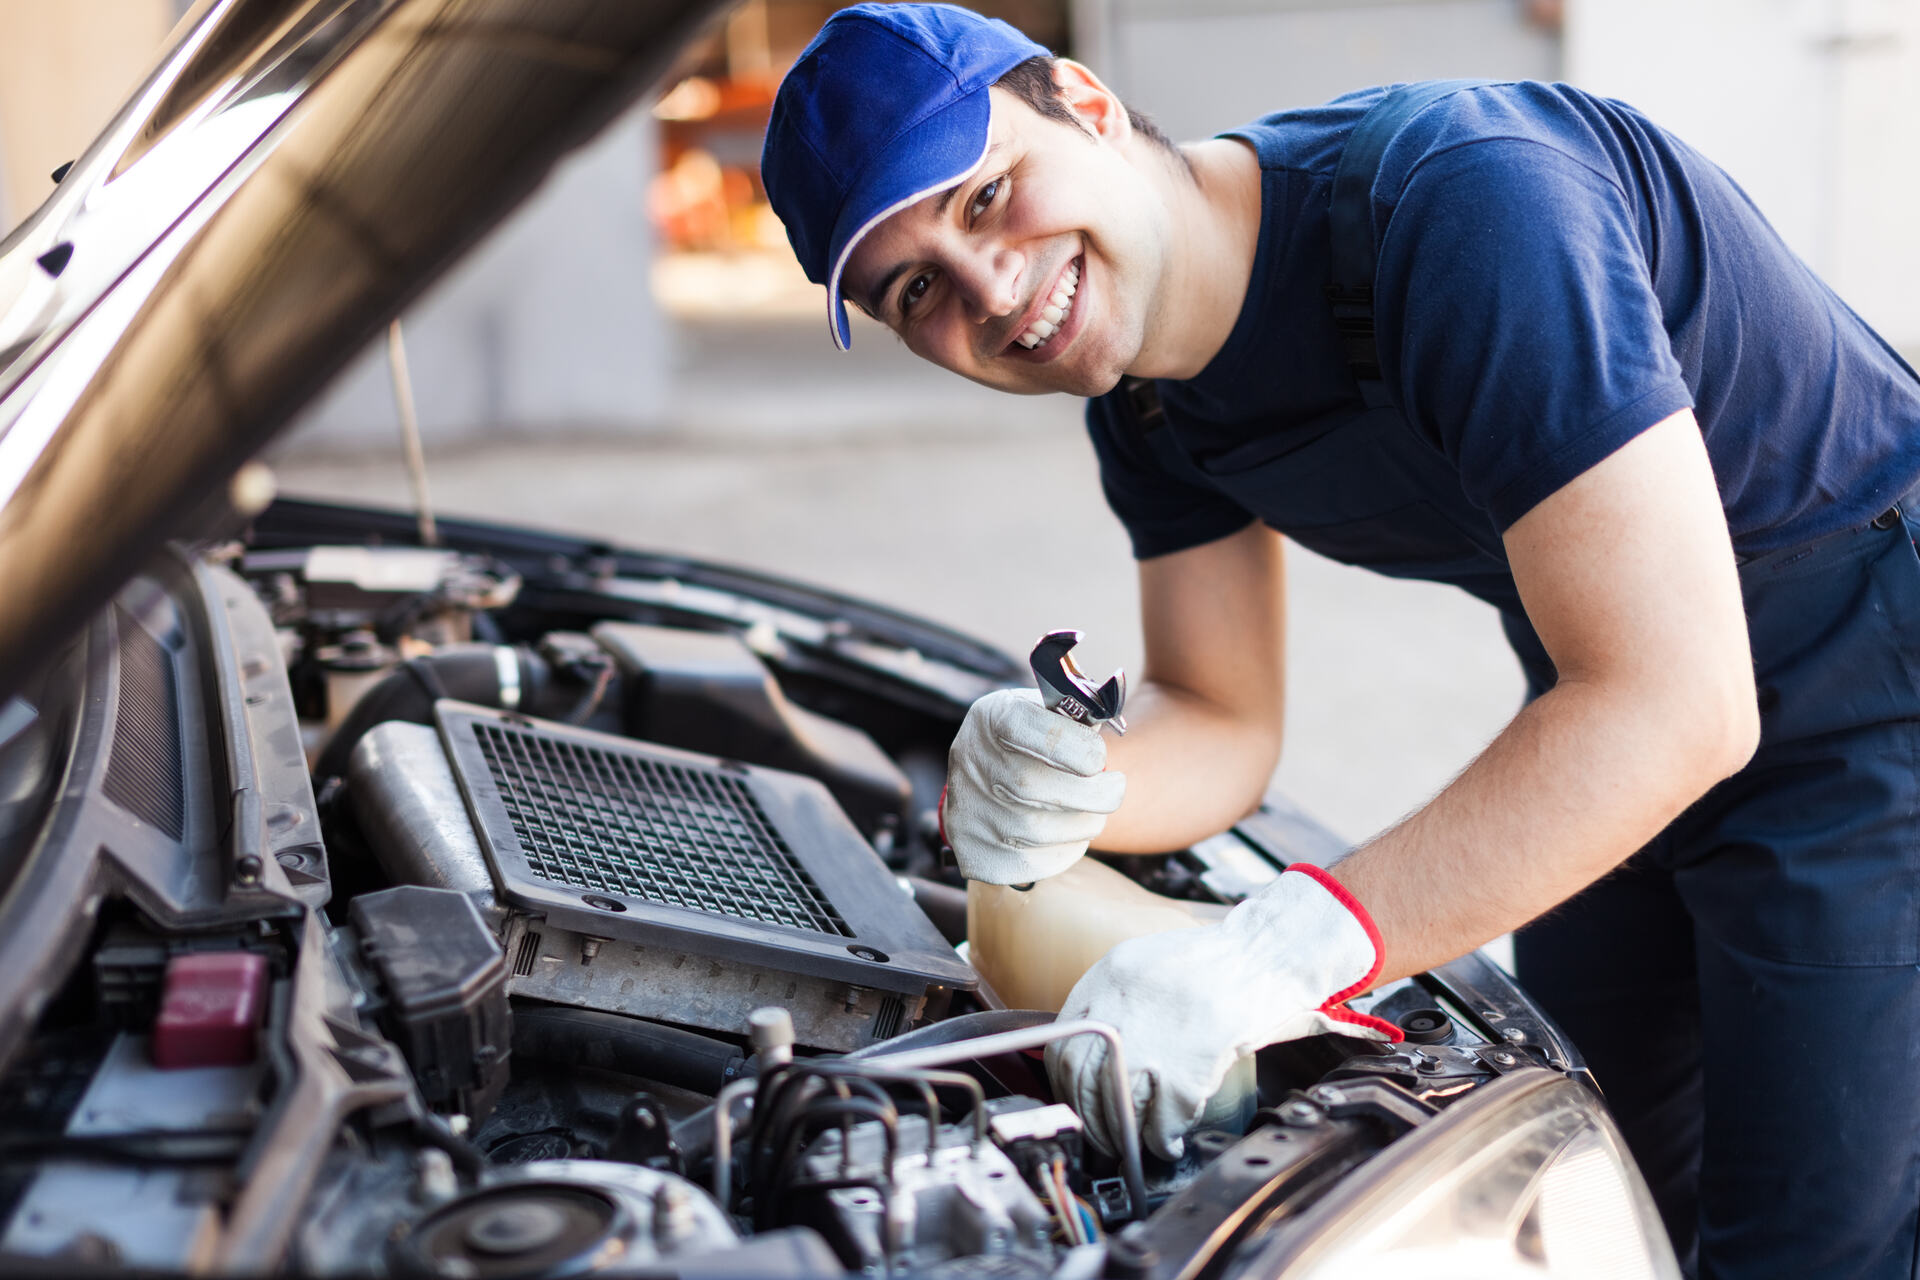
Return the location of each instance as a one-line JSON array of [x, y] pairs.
[[1204, 721], [1575, 784], [1192, 769], [1627, 573]]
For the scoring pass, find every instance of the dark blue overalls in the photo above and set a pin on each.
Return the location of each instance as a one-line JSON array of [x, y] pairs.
[[1747, 987]]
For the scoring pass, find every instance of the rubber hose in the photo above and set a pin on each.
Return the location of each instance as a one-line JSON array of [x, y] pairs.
[[565, 1036], [464, 671], [943, 904]]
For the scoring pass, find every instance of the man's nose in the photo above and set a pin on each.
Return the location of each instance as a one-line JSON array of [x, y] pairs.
[[988, 279]]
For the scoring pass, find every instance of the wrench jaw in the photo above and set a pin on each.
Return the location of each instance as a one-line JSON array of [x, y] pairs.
[[1065, 689], [1113, 696]]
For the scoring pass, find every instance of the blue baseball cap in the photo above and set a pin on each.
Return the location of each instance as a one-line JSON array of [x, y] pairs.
[[886, 106]]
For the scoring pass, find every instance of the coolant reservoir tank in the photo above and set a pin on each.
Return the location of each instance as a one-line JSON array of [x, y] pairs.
[[1033, 944]]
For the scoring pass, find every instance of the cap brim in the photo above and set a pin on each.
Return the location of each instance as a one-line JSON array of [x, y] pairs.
[[941, 151]]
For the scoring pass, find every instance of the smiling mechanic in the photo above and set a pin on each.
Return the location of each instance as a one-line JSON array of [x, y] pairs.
[[1504, 335]]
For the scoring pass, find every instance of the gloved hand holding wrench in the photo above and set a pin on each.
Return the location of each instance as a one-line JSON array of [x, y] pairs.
[[1027, 786], [1026, 794]]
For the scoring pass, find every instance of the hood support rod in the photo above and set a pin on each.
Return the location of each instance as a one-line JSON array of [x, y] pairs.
[[410, 435]]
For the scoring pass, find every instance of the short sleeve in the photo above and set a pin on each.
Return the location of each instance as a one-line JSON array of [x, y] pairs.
[[1160, 496], [1518, 320]]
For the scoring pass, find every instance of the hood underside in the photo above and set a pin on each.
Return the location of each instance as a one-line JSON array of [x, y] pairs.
[[292, 174]]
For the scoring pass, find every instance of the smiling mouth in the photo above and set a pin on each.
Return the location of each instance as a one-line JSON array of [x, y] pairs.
[[1052, 317]]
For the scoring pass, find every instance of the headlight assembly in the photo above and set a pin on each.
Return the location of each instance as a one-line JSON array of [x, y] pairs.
[[1526, 1178]]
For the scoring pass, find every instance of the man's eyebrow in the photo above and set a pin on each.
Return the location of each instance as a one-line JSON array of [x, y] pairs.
[[876, 296], [945, 198]]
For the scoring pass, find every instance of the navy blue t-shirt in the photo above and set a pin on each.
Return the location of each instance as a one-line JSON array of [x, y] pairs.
[[1556, 274]]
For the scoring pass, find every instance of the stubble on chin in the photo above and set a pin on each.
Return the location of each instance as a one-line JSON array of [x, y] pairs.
[[1074, 374]]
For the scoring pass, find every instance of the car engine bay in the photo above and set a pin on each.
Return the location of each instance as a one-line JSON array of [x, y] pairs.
[[528, 907]]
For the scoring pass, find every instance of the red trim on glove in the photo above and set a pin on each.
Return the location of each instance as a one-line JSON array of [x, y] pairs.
[[1335, 1006], [1340, 1013], [940, 814]]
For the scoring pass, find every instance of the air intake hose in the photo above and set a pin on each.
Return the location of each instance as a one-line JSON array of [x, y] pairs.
[[468, 672], [565, 1036]]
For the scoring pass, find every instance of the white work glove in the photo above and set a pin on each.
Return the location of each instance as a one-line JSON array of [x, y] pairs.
[[1190, 1003], [1025, 790]]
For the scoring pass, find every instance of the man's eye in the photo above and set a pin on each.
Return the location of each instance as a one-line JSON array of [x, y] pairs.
[[983, 198], [915, 290]]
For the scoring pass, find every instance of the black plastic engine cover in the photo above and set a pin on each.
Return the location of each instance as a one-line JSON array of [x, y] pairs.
[[444, 980]]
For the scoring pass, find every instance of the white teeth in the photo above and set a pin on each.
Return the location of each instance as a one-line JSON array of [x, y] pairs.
[[1054, 314]]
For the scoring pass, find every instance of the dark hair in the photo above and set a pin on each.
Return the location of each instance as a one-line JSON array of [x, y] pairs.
[[1032, 82]]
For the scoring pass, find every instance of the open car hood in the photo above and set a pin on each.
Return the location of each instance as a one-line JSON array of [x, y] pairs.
[[291, 175]]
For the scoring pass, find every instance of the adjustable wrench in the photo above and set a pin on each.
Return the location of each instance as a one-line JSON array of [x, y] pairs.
[[1063, 688]]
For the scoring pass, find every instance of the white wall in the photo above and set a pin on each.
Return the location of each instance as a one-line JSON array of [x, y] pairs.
[[1876, 250], [1200, 66], [1812, 105]]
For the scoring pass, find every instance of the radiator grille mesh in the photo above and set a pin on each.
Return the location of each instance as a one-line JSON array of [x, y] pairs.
[[649, 829], [144, 772]]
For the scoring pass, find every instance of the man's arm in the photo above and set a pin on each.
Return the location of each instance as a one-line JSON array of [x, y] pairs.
[[1627, 574], [1027, 789], [1205, 717]]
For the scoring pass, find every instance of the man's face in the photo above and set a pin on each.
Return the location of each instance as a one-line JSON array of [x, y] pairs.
[[972, 278]]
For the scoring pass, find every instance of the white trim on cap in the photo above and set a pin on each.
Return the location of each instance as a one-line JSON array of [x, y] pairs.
[[846, 250]]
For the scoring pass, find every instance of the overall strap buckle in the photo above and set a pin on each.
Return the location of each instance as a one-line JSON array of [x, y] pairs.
[[1140, 401]]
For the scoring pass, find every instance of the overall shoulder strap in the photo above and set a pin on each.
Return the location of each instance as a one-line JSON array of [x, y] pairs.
[[1350, 223]]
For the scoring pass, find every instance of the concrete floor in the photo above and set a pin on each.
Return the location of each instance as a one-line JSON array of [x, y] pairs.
[[875, 474]]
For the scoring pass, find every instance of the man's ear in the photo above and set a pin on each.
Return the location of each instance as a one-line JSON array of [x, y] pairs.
[[1087, 97]]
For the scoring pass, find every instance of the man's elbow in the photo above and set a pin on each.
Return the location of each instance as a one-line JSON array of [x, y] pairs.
[[1256, 756], [1701, 721], [1726, 726], [1745, 732]]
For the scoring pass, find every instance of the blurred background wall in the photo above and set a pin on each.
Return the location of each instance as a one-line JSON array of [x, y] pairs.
[[1813, 105], [549, 329], [65, 68], [1199, 66]]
